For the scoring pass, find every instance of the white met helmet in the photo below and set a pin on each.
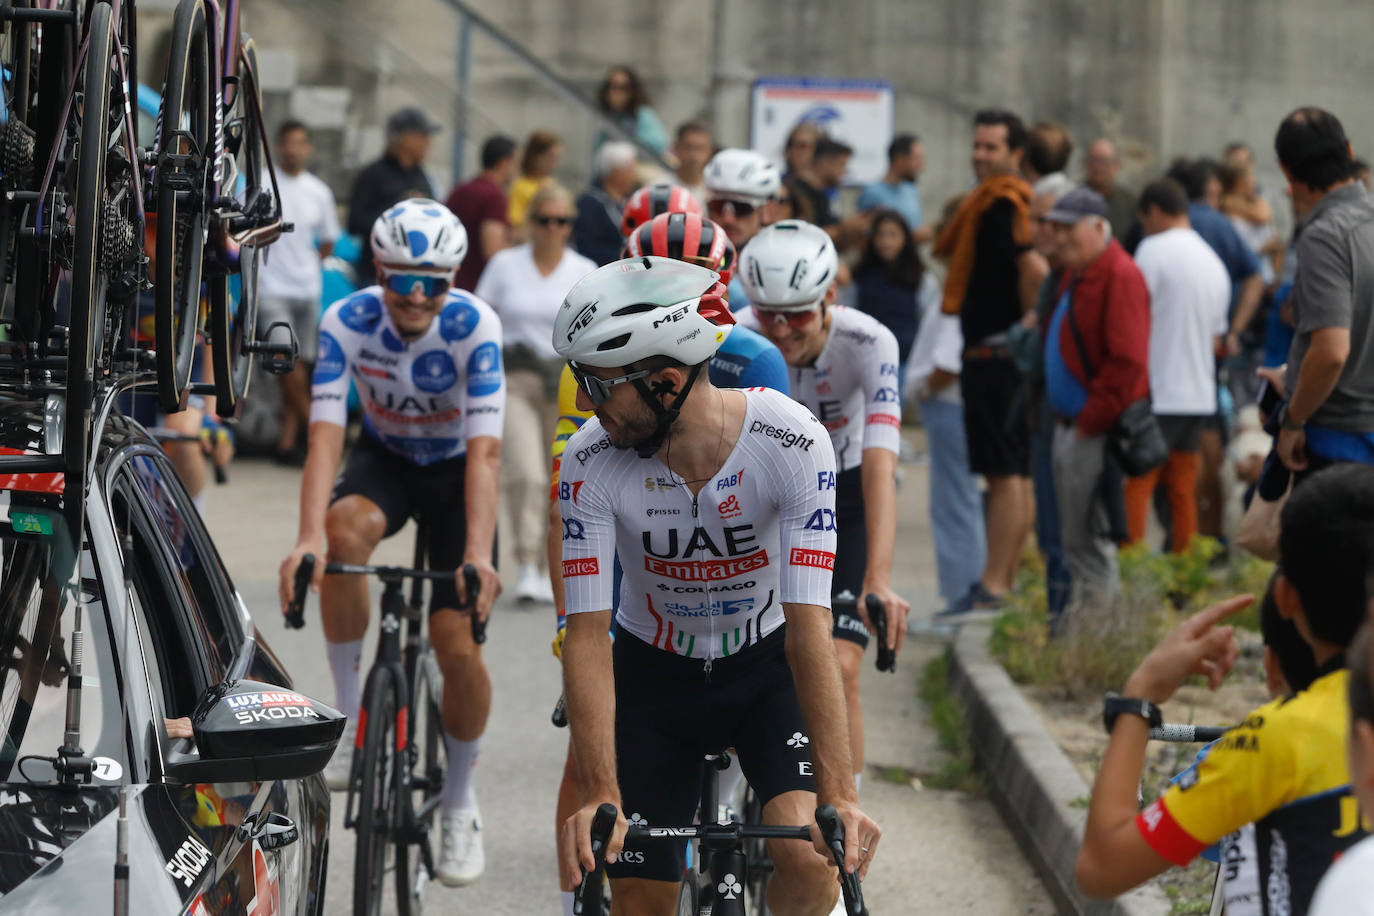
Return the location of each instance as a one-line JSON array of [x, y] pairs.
[[742, 174], [640, 307], [419, 235], [788, 265]]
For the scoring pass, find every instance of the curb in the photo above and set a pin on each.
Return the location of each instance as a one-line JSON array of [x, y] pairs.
[[1031, 780]]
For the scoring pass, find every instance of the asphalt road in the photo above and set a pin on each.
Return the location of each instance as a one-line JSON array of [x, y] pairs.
[[942, 852]]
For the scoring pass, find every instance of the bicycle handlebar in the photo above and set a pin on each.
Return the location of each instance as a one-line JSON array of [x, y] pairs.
[[295, 609], [832, 831], [1188, 734], [877, 615]]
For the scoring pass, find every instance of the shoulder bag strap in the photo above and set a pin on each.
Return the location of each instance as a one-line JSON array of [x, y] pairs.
[[1078, 336]]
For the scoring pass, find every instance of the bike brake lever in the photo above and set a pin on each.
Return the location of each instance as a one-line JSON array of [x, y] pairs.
[[603, 823], [832, 832], [560, 713], [877, 613], [295, 611], [472, 583]]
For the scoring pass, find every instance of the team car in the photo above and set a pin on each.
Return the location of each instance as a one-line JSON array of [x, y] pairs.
[[167, 705]]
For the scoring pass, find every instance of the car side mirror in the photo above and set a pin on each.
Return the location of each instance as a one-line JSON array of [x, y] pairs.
[[248, 731]]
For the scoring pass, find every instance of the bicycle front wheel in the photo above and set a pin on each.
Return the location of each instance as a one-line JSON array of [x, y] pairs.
[[185, 157], [425, 757], [377, 797]]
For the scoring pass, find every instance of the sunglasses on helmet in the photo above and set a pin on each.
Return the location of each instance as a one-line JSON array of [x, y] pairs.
[[598, 390], [793, 318], [430, 285]]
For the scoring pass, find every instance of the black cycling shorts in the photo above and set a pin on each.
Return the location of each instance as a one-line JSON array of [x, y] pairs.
[[851, 553], [403, 490], [668, 718]]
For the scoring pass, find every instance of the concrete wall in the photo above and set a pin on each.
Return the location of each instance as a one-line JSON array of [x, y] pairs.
[[1163, 77]]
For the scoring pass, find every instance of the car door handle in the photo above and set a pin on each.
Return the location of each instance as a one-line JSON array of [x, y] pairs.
[[272, 830]]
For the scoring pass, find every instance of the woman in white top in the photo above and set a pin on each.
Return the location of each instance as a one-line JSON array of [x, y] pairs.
[[1347, 888], [526, 285]]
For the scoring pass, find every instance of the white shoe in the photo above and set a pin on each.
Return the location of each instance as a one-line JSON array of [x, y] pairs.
[[337, 770], [461, 858], [531, 585]]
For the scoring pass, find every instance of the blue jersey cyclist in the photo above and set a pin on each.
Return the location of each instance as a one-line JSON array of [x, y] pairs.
[[426, 360]]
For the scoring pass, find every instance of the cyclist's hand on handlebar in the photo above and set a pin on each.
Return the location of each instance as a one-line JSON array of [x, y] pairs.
[[575, 843], [286, 584], [860, 833], [897, 608], [489, 582]]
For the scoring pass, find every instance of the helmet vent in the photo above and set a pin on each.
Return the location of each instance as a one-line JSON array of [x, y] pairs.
[[615, 343], [634, 309]]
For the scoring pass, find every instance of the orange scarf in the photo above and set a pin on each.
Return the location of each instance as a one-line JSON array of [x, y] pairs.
[[958, 239]]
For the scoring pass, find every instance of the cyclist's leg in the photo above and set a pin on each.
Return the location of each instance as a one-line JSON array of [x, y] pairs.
[[663, 729], [774, 750], [467, 683], [803, 881], [367, 505], [189, 457], [851, 636]]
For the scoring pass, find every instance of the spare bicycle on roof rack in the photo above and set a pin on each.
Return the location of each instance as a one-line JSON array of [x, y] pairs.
[[80, 197]]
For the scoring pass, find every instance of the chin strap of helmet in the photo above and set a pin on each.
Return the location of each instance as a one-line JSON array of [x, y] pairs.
[[665, 416]]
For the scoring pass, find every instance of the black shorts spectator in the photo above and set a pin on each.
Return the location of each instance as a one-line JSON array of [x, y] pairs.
[[998, 436]]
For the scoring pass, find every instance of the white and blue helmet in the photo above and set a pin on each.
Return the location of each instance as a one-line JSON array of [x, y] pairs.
[[419, 235]]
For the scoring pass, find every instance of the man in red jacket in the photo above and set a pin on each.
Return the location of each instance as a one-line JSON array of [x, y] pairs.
[[1096, 364]]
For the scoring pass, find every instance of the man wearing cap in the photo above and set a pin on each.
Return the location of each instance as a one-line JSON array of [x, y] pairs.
[[1096, 364], [397, 175]]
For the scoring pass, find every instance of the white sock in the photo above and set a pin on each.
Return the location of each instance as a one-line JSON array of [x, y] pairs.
[[343, 664], [462, 760], [569, 898], [730, 780], [858, 782]]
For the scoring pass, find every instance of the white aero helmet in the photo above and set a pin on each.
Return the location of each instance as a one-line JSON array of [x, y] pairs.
[[636, 308], [788, 265], [742, 174], [419, 235]]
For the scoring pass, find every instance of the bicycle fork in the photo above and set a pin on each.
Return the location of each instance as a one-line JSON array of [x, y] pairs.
[[388, 664]]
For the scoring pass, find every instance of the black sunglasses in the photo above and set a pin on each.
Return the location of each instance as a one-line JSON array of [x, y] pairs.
[[553, 220], [736, 208]]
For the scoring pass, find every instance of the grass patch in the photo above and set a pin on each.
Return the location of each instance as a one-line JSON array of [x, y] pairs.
[[1099, 647], [947, 716]]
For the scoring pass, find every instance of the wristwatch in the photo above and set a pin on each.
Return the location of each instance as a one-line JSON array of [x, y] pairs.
[[1285, 422], [1114, 705]]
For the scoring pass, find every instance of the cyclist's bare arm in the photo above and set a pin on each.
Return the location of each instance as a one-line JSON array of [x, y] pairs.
[[482, 487], [321, 465], [879, 476], [1114, 856], [589, 689], [820, 691]]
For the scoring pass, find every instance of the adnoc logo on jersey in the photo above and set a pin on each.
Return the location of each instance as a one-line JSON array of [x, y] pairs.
[[329, 360], [435, 372], [360, 313], [484, 370], [457, 321], [886, 395]]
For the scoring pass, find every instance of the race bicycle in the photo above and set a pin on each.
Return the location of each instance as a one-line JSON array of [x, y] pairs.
[[397, 777], [877, 615], [1196, 734]]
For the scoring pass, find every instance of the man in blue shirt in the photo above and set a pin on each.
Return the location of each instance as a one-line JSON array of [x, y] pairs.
[[897, 189]]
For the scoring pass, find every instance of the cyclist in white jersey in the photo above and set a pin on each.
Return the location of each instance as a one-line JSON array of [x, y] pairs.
[[717, 502], [843, 366], [426, 360]]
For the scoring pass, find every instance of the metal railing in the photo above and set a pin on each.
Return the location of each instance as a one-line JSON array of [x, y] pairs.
[[468, 19]]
